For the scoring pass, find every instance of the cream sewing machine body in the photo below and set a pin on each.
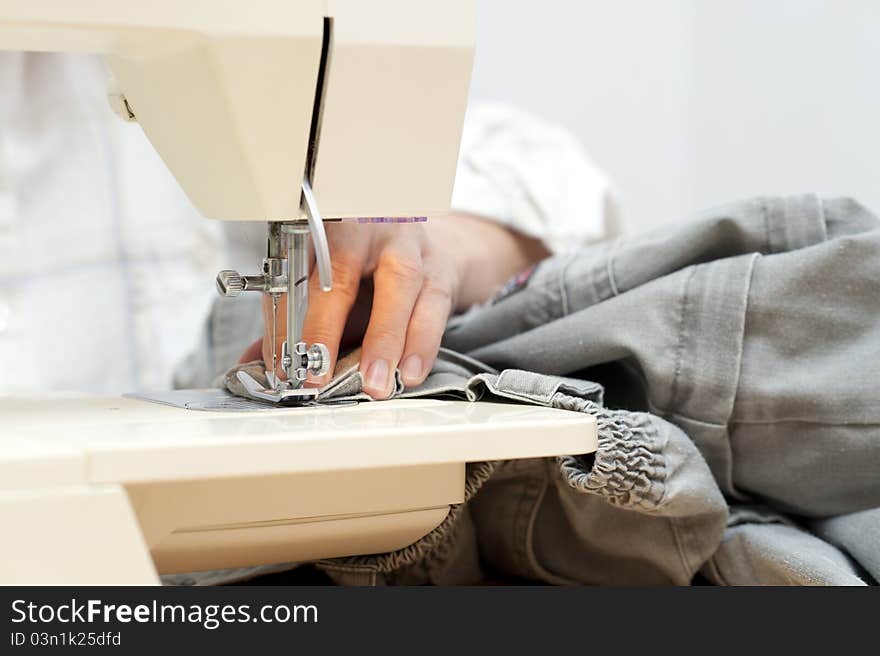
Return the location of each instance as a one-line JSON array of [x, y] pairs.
[[287, 112]]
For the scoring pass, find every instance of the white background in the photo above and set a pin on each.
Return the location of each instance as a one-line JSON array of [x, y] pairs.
[[690, 103]]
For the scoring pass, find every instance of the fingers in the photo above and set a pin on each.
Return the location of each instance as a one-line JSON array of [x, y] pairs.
[[397, 280], [408, 303], [328, 311], [252, 352], [426, 326]]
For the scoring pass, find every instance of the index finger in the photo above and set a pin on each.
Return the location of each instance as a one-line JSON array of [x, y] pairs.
[[328, 311]]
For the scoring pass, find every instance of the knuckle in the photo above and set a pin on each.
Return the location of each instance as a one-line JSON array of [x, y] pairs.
[[319, 334], [347, 293], [426, 330], [400, 268], [345, 268], [385, 335], [346, 273], [436, 289]]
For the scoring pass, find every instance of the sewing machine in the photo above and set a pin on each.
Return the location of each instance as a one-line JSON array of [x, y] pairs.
[[292, 113]]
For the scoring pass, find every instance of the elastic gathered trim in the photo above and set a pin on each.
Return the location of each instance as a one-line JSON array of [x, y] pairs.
[[628, 470]]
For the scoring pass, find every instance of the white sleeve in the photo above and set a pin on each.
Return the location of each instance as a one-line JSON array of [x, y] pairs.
[[533, 177]]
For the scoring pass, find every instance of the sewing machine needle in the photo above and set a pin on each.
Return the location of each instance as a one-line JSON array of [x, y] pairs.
[[274, 339]]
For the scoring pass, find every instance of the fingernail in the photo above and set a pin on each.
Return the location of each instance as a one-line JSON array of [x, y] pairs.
[[412, 368], [377, 376]]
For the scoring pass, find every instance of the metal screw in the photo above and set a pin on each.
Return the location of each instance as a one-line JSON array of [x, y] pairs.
[[229, 283], [318, 359]]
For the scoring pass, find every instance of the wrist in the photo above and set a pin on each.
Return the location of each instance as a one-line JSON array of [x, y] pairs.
[[484, 255], [452, 240]]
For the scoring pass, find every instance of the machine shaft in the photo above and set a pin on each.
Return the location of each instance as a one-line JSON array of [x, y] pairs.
[[297, 300]]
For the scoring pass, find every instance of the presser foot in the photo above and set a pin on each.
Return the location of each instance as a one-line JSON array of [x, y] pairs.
[[285, 395]]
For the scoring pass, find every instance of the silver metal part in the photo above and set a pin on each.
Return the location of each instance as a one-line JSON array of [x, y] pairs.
[[297, 297], [290, 276], [286, 358], [319, 237], [272, 375], [318, 359], [303, 361], [299, 394], [297, 370], [229, 283], [232, 283]]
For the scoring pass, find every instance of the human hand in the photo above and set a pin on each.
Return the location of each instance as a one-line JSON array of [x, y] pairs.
[[394, 287]]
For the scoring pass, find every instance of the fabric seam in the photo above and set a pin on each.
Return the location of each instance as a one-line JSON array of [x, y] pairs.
[[609, 267], [679, 349], [679, 544], [534, 563], [765, 214], [563, 287]]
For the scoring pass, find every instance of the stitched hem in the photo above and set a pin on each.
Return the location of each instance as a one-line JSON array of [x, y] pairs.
[[682, 334]]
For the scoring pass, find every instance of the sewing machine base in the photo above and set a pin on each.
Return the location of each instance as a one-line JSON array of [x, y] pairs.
[[119, 490], [111, 534]]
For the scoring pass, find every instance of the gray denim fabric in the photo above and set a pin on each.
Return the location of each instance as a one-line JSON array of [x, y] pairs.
[[755, 329], [757, 322], [231, 327], [745, 344], [858, 534], [761, 547]]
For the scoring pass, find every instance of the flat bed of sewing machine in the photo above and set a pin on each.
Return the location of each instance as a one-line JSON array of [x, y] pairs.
[[113, 490]]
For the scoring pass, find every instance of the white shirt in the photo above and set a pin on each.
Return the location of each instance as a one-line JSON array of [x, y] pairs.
[[107, 270], [534, 177]]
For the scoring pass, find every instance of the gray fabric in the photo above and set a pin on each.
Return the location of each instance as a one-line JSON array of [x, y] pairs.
[[761, 547], [858, 534], [754, 329], [346, 385], [646, 512], [739, 352], [749, 328], [453, 375], [231, 327], [224, 576]]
